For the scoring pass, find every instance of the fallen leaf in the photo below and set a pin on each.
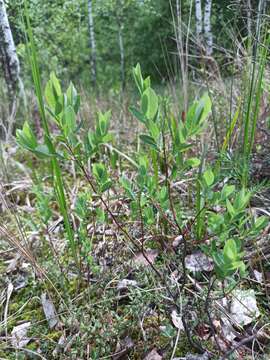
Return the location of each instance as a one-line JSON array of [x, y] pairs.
[[198, 261], [228, 332], [60, 346], [204, 356], [20, 281], [153, 355], [18, 335], [62, 340], [258, 276], [244, 307], [13, 264], [49, 311], [243, 310], [151, 255], [126, 283], [177, 241], [122, 348], [10, 289], [225, 326], [176, 320]]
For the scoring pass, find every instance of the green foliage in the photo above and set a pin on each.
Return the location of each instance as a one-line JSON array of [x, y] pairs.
[[63, 107], [69, 56], [27, 140], [148, 199], [43, 204], [229, 259], [100, 136], [101, 176]]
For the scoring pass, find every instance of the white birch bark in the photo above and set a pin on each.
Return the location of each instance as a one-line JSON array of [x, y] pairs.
[[9, 58], [178, 13], [92, 43], [249, 10], [207, 28], [122, 54], [199, 21]]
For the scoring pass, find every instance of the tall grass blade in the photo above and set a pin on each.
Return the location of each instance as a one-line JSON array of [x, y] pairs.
[[57, 176]]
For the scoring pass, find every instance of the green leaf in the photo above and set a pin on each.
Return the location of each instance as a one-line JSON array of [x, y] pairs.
[[105, 185], [92, 138], [101, 215], [138, 115], [149, 140], [143, 165], [261, 223], [193, 162], [99, 172], [26, 138], [73, 99], [154, 130], [197, 114], [107, 138], [42, 152], [230, 208], [242, 200], [127, 185], [137, 74], [184, 147], [209, 177], [56, 84], [227, 191], [53, 93], [49, 96], [103, 123], [69, 121], [206, 104], [149, 103], [149, 215], [147, 83], [230, 250]]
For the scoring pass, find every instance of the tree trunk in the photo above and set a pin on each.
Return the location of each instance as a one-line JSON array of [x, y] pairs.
[[122, 54], [178, 13], [249, 11], [198, 16], [8, 56], [11, 71], [207, 28], [92, 43]]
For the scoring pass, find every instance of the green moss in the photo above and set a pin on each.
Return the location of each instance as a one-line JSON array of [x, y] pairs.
[[2, 267], [54, 335], [32, 346]]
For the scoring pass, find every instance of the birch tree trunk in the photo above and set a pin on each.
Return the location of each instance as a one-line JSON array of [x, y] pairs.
[[92, 43], [11, 71], [199, 21], [8, 55], [249, 10], [122, 53], [207, 28]]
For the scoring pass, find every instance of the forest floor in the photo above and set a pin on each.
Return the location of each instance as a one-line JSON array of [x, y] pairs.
[[117, 306]]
